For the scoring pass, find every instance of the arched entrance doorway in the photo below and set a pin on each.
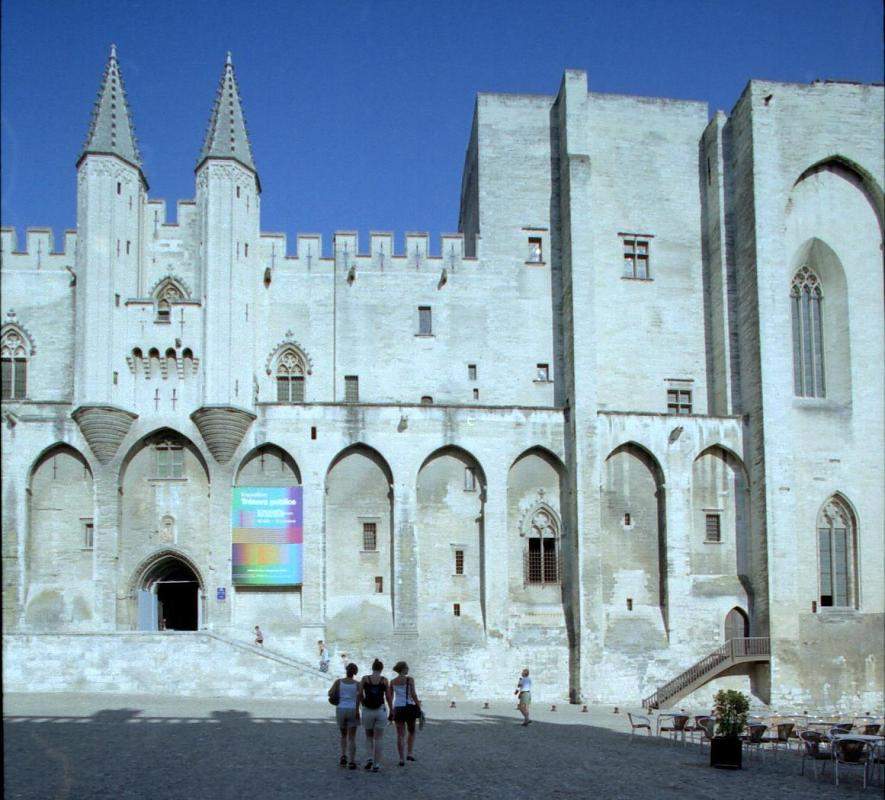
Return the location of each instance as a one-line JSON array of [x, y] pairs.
[[169, 597], [737, 626]]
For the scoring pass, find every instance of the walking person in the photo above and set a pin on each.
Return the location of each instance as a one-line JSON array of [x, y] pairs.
[[324, 657], [524, 695], [344, 694], [259, 637], [405, 709], [373, 696]]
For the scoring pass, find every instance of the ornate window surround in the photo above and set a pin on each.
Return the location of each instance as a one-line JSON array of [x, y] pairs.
[[17, 349]]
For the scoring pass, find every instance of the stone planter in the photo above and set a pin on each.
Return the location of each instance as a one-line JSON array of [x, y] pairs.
[[725, 752]]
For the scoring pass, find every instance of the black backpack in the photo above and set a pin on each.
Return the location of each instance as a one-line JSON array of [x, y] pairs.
[[373, 693]]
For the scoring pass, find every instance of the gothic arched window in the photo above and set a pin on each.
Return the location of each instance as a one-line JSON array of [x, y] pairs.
[[837, 538], [808, 337], [541, 559], [15, 353], [290, 377]]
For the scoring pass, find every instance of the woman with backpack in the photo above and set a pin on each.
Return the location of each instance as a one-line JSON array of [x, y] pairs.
[[373, 696], [344, 694], [405, 709]]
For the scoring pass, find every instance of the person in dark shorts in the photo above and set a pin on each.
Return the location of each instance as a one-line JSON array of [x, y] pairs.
[[405, 708], [347, 714], [373, 696], [259, 637]]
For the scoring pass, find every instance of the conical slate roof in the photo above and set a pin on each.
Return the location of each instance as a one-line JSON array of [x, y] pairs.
[[111, 131], [226, 136]]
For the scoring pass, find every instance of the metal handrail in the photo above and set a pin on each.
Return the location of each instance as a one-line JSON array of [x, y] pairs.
[[733, 648]]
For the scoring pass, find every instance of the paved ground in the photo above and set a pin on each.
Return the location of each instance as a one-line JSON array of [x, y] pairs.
[[79, 747]]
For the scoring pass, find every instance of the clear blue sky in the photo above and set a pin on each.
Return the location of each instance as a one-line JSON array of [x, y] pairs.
[[359, 112]]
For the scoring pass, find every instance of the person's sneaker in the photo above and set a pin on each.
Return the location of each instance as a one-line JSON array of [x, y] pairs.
[[402, 763], [524, 723], [368, 764], [376, 768], [410, 758], [351, 765], [342, 762]]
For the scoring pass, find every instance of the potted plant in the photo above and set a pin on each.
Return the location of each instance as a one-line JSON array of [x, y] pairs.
[[731, 716]]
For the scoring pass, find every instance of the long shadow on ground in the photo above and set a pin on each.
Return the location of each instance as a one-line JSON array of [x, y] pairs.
[[121, 755]]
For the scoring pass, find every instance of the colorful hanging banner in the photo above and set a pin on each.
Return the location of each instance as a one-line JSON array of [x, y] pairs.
[[267, 535]]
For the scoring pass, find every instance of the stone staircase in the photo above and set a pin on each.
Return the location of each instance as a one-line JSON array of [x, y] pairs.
[[733, 652]]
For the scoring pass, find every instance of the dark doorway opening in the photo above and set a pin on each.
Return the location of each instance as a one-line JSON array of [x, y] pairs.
[[177, 591], [737, 626]]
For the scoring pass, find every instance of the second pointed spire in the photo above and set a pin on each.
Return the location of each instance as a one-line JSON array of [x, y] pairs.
[[226, 136]]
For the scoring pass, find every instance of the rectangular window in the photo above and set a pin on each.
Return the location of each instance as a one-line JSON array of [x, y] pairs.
[[88, 534], [476, 394], [15, 378], [826, 573], [636, 257], [551, 567], [351, 389], [459, 562], [469, 479], [370, 536], [542, 373], [425, 327], [471, 372], [679, 401], [290, 388], [456, 609], [536, 253], [128, 244], [379, 584], [712, 528], [170, 461]]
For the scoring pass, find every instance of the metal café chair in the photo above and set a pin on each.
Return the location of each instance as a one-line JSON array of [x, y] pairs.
[[707, 727], [849, 752], [638, 722], [815, 748], [781, 738], [753, 738], [676, 727]]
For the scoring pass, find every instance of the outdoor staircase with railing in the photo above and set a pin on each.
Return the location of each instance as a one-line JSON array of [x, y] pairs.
[[734, 651]]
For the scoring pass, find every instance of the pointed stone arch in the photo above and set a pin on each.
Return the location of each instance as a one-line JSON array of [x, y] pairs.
[[171, 288], [152, 437], [280, 349], [851, 171], [268, 449]]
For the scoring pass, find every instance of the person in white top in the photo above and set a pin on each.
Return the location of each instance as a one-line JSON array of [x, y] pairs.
[[324, 656], [345, 695], [524, 695], [405, 708]]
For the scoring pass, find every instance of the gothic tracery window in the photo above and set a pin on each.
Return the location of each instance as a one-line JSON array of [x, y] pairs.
[[836, 538], [15, 353], [541, 560], [808, 341], [290, 377]]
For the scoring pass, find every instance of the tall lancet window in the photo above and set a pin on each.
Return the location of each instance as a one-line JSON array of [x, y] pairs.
[[290, 377], [808, 337], [836, 538], [15, 352], [541, 556]]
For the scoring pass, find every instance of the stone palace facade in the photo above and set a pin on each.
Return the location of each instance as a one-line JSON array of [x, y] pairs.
[[631, 411]]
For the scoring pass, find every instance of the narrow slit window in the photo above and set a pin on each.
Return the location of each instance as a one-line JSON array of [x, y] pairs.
[[370, 536], [425, 322], [456, 609], [459, 562], [542, 373], [471, 372], [88, 534], [351, 389], [536, 253], [712, 528], [379, 584]]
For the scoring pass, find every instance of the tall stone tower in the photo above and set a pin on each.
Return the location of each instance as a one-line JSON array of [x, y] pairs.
[[228, 192], [111, 192]]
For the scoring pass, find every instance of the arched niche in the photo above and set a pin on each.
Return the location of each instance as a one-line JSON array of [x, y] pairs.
[[268, 465], [837, 554], [359, 547], [821, 333], [533, 496], [163, 477], [60, 541], [450, 500], [634, 532], [720, 518]]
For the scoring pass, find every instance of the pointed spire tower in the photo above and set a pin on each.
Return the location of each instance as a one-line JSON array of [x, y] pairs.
[[111, 132], [226, 136]]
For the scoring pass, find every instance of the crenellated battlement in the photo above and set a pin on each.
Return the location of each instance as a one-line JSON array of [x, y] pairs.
[[39, 251], [382, 253], [155, 214]]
